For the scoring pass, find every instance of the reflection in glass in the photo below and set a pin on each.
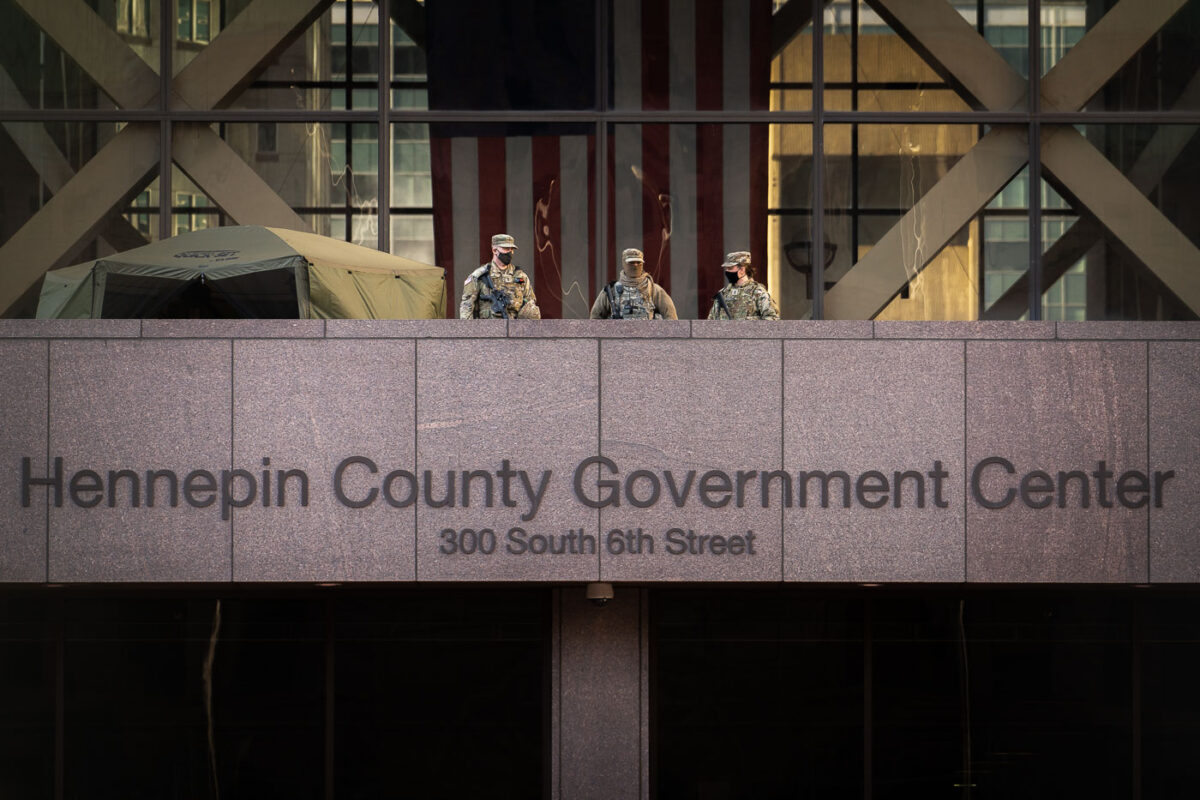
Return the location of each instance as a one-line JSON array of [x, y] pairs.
[[327, 172], [686, 195], [948, 247], [534, 181], [872, 66], [35, 72], [1163, 72], [789, 221], [333, 65], [38, 159], [706, 55], [412, 193], [1108, 254]]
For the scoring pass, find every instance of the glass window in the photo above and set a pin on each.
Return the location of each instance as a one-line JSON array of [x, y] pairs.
[[685, 189], [900, 62], [183, 20], [1110, 254], [441, 696], [1148, 60], [757, 694], [1010, 692], [1170, 694], [37, 73], [135, 716], [534, 181], [27, 695], [429, 694], [916, 228], [268, 137], [511, 57], [685, 195]]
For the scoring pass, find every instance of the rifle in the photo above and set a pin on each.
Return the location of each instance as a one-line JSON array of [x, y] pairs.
[[501, 299], [724, 306], [614, 302]]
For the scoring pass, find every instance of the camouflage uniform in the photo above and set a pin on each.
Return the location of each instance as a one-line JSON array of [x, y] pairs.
[[746, 299], [510, 280], [637, 298]]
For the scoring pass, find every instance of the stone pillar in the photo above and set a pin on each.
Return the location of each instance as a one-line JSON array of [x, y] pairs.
[[600, 705]]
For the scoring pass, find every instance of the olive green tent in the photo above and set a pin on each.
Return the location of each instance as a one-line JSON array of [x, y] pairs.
[[246, 271]]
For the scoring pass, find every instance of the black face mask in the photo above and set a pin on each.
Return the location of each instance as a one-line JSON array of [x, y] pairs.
[[505, 258], [731, 277]]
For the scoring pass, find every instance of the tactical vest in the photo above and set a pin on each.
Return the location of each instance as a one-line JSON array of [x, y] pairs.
[[513, 282], [632, 303], [741, 300]]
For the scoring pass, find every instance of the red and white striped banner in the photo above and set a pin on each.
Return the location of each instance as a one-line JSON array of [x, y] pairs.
[[684, 194]]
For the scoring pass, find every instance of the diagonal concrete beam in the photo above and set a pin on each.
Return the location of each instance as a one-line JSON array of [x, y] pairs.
[[949, 205], [97, 49], [52, 167], [54, 171], [223, 69], [410, 16], [1163, 149], [1062, 255], [1122, 209], [954, 49], [228, 180], [788, 21], [929, 26], [1099, 55], [95, 197], [64, 225]]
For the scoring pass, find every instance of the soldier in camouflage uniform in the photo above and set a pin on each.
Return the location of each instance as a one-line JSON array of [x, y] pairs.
[[634, 295], [498, 288], [741, 297]]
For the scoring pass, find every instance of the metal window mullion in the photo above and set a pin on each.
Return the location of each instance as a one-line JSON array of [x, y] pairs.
[[817, 223], [1035, 160], [980, 249], [383, 136], [854, 155], [636, 117], [601, 135], [166, 33], [347, 177]]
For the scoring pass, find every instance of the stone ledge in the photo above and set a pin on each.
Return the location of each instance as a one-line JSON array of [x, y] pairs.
[[233, 328], [416, 328], [1101, 329], [782, 329], [600, 329], [70, 328], [893, 329]]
